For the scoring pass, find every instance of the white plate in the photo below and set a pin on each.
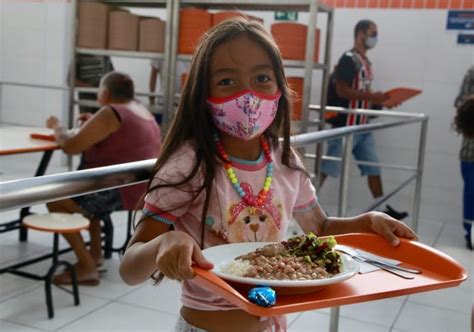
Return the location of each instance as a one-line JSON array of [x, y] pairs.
[[222, 255]]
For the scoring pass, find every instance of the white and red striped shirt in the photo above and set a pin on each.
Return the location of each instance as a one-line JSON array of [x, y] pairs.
[[361, 82]]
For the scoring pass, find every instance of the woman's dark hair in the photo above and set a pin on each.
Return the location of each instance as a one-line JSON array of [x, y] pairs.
[[464, 119], [192, 120], [119, 85], [362, 26]]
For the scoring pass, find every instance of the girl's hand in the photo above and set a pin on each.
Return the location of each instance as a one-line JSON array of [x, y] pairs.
[[52, 122], [390, 228], [177, 251]]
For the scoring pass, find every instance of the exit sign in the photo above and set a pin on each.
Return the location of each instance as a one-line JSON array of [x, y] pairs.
[[286, 16]]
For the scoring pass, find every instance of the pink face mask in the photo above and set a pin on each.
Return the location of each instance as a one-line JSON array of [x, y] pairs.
[[245, 115]]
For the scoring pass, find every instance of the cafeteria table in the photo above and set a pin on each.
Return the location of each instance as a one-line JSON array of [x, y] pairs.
[[14, 140]]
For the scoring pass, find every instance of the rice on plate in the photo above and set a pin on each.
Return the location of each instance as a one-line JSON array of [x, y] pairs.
[[305, 257]]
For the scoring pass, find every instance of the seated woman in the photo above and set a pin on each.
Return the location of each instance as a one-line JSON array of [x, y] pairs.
[[122, 131]]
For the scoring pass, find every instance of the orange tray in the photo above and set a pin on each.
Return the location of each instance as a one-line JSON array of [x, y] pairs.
[[43, 137], [400, 95], [438, 271]]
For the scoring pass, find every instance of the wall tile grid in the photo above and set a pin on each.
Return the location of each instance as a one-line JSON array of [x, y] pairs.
[[1, 44], [2, 29], [419, 53], [34, 50], [402, 4]]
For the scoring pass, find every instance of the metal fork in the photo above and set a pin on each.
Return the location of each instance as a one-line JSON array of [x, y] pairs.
[[388, 267], [353, 252]]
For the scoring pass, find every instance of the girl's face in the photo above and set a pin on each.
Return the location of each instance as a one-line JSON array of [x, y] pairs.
[[241, 64]]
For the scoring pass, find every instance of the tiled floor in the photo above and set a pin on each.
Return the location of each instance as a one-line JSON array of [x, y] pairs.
[[114, 306]]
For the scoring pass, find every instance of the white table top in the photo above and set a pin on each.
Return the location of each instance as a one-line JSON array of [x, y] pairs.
[[16, 139]]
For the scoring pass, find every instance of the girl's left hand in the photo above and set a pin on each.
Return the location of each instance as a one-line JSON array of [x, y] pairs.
[[390, 228]]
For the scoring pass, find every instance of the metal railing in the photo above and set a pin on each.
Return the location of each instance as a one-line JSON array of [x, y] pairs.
[[31, 191], [26, 192], [346, 154], [417, 169]]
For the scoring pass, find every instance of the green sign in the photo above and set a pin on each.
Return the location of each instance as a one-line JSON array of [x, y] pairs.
[[281, 15]]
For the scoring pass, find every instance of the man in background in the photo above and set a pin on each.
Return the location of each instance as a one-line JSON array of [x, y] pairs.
[[350, 87], [89, 70], [156, 69]]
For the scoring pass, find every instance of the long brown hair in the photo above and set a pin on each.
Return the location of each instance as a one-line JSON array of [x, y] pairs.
[[192, 120], [464, 119]]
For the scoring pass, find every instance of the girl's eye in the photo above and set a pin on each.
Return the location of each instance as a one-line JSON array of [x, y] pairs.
[[225, 82], [263, 79]]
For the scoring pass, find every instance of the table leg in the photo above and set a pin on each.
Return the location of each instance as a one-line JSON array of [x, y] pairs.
[[43, 165], [334, 319], [109, 237]]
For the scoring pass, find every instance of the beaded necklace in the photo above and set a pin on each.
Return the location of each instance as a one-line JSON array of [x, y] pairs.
[[247, 197]]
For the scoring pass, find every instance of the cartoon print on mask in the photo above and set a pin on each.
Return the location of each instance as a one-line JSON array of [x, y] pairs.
[[243, 130], [274, 108], [227, 128], [249, 104], [254, 224], [245, 116]]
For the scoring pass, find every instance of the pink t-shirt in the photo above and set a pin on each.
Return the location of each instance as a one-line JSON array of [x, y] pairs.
[[228, 219]]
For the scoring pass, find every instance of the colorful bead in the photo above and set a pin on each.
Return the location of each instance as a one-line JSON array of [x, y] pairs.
[[247, 198]]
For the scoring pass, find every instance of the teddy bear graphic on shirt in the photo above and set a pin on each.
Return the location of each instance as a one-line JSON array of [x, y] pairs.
[[254, 223]]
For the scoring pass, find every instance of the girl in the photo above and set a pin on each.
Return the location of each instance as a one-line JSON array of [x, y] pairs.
[[464, 124], [222, 176], [121, 131]]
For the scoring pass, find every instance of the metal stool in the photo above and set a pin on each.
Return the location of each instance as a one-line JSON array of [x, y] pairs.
[[108, 231], [56, 223]]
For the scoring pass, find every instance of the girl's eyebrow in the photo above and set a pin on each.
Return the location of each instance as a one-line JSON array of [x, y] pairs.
[[262, 66], [224, 71]]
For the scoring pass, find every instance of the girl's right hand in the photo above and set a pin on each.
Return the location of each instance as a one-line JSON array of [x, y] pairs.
[[177, 251]]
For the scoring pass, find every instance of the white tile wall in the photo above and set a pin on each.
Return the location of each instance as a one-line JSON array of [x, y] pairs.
[[419, 53], [24, 69], [24, 14], [2, 29], [34, 47]]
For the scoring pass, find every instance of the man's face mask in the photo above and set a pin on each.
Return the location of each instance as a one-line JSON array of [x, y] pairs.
[[371, 41]]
